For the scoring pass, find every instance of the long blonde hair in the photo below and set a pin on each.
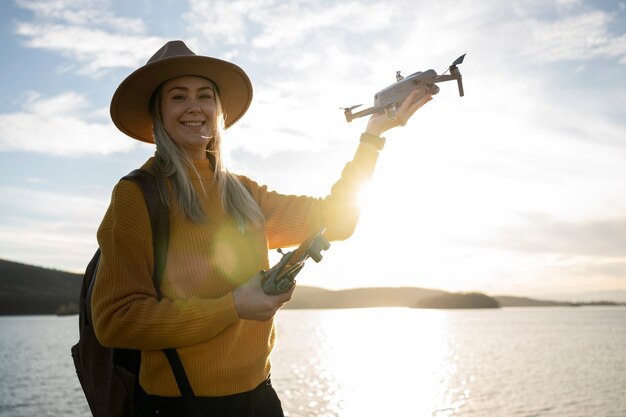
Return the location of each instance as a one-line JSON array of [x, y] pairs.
[[171, 162]]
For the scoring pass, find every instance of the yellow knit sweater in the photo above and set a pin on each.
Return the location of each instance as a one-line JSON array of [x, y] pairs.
[[221, 353]]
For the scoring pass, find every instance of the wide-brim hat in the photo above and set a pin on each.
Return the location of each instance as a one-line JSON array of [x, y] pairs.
[[130, 103]]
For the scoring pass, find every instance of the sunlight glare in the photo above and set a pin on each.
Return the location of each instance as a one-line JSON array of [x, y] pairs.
[[409, 379]]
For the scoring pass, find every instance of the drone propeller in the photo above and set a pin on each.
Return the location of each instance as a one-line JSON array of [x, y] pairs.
[[458, 61], [348, 109]]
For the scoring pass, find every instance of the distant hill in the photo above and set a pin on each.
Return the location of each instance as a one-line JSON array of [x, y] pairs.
[[312, 297], [27, 289], [459, 300], [508, 301]]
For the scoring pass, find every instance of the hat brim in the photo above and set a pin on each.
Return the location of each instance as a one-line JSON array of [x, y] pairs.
[[130, 103]]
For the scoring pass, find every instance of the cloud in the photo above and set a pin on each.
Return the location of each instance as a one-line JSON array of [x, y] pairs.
[[222, 22], [59, 125], [286, 34], [270, 24], [54, 229], [604, 238], [23, 205], [87, 33], [579, 37], [82, 13], [93, 50], [585, 268], [294, 23]]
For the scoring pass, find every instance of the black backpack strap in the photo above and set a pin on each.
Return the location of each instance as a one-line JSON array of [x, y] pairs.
[[193, 407], [159, 221]]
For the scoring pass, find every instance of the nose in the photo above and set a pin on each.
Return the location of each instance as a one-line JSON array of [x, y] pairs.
[[194, 108]]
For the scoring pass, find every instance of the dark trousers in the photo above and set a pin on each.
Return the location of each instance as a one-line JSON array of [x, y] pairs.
[[260, 402]]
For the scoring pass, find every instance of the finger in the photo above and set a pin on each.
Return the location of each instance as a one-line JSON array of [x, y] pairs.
[[410, 105], [418, 104], [413, 107], [284, 297], [280, 298], [411, 98]]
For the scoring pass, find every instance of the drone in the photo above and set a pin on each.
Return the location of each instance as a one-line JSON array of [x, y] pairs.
[[390, 98]]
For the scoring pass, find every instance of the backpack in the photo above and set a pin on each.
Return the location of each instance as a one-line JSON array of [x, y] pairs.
[[109, 376]]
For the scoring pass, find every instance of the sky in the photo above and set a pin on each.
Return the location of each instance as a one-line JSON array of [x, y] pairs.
[[517, 188]]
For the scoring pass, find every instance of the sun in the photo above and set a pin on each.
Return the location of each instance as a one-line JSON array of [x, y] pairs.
[[417, 217]]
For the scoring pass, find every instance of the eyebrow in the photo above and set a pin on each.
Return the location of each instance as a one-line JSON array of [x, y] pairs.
[[208, 87]]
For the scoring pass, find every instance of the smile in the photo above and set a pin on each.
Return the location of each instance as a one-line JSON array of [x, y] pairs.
[[192, 124]]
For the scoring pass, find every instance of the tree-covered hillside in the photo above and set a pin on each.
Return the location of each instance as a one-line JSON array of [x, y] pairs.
[[27, 289]]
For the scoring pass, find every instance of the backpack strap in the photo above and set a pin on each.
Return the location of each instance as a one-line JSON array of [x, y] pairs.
[[159, 221], [189, 397]]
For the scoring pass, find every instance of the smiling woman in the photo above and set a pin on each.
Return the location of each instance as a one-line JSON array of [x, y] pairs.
[[209, 310]]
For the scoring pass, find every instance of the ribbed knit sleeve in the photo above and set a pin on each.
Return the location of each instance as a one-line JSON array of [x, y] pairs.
[[125, 308], [291, 219]]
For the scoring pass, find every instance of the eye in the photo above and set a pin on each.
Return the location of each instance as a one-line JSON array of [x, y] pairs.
[[178, 97], [206, 96]]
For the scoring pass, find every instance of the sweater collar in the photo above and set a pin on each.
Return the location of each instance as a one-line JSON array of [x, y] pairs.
[[204, 168]]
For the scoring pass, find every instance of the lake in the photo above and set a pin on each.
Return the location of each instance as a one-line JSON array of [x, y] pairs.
[[557, 361]]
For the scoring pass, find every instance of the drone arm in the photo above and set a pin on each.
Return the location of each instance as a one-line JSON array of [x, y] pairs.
[[351, 116], [459, 79], [442, 78], [455, 74]]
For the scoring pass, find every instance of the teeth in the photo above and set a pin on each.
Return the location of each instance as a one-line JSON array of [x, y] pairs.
[[192, 124]]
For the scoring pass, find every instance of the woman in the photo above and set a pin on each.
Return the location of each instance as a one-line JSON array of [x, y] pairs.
[[212, 310]]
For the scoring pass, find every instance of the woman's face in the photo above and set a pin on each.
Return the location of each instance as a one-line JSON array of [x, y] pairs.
[[188, 109]]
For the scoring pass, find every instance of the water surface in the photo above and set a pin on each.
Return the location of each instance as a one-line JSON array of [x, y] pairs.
[[566, 362]]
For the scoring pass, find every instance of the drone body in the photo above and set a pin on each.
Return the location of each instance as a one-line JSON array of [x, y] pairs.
[[392, 96]]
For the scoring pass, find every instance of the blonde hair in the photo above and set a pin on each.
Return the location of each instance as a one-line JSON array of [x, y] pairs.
[[171, 162]]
